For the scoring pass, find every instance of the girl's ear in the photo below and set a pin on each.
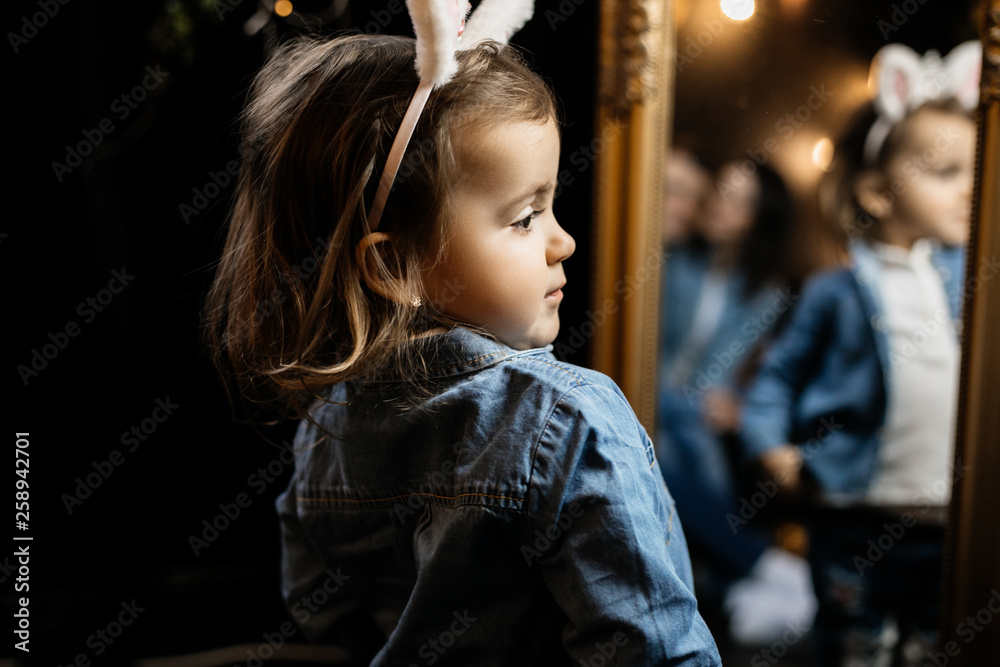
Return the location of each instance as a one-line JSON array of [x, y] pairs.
[[870, 189], [375, 258]]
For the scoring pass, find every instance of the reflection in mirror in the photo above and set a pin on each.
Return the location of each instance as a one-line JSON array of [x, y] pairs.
[[816, 210]]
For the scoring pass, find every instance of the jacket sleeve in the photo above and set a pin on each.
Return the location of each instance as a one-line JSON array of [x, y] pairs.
[[770, 402], [606, 535]]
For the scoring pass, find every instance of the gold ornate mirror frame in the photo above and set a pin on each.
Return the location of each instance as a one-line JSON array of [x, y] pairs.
[[635, 100], [972, 589], [635, 79]]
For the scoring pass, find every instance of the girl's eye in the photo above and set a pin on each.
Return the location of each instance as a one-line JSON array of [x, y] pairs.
[[525, 222], [947, 172]]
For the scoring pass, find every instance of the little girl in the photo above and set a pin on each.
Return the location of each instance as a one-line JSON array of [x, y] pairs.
[[863, 382], [458, 492]]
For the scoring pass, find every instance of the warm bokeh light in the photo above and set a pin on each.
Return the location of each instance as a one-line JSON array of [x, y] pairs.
[[823, 153], [793, 7], [738, 10], [682, 12], [282, 8], [796, 161]]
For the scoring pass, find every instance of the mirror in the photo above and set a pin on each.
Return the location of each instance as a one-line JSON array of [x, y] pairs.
[[774, 90]]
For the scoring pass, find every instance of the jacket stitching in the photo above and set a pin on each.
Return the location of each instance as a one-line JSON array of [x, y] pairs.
[[567, 372], [405, 495], [444, 368], [670, 525]]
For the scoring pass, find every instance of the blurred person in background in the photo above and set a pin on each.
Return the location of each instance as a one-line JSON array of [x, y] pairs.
[[725, 291]]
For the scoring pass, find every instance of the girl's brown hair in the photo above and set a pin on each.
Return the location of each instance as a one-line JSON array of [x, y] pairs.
[[838, 204], [288, 312]]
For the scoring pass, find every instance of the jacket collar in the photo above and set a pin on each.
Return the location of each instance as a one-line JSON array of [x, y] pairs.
[[867, 271], [456, 352]]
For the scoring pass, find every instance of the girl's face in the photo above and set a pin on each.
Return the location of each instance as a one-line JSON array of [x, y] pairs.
[[930, 178], [502, 268]]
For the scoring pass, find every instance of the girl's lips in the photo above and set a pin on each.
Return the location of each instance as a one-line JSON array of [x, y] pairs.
[[557, 294]]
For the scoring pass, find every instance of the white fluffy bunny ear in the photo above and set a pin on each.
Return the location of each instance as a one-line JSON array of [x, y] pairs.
[[437, 24], [497, 20], [965, 65], [895, 76], [903, 81]]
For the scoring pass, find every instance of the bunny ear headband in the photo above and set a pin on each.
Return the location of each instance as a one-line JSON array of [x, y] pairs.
[[441, 30], [903, 80]]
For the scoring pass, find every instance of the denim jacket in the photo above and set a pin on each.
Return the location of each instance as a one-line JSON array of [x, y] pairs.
[[513, 516], [824, 382]]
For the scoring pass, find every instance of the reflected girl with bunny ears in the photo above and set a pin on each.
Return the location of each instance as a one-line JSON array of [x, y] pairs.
[[855, 404]]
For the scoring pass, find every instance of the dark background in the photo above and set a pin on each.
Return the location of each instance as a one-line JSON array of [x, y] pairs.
[[120, 211]]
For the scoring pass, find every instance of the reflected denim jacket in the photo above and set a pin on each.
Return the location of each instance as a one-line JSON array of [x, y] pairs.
[[824, 383], [516, 515]]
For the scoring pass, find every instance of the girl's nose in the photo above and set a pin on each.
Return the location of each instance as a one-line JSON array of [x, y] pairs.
[[968, 182], [561, 245]]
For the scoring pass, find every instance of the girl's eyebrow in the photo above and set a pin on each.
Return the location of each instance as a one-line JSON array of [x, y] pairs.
[[541, 189]]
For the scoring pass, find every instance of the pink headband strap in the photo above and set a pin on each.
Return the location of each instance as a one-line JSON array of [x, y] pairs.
[[397, 151], [438, 25]]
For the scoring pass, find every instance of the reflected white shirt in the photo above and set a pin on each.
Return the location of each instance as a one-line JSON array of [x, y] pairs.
[[915, 453]]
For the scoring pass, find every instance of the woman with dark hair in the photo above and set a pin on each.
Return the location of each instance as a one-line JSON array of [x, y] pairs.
[[726, 290]]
